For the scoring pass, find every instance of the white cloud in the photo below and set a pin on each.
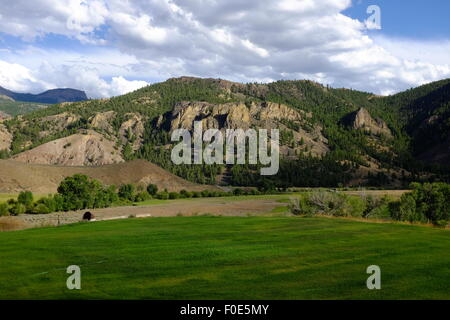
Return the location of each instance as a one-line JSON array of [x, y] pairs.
[[254, 40], [120, 85], [18, 78]]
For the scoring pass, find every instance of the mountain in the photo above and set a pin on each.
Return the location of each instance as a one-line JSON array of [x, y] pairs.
[[48, 97], [329, 136]]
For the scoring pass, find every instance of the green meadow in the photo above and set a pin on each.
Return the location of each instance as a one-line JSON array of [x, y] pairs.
[[226, 258]]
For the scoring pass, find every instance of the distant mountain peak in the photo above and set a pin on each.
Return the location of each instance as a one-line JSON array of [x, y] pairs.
[[50, 96]]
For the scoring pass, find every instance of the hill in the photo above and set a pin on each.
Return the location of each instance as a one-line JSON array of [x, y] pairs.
[[88, 149], [51, 96], [329, 137], [16, 176]]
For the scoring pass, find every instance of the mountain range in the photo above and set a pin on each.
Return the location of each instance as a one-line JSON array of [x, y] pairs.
[[329, 136], [48, 97]]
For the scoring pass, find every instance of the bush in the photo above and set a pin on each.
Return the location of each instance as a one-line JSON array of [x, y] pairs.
[[126, 191], [328, 203], [41, 209], [26, 198], [173, 195], [49, 203], [299, 206], [4, 209], [163, 195], [142, 196], [152, 189], [238, 192], [380, 212], [205, 193], [18, 208]]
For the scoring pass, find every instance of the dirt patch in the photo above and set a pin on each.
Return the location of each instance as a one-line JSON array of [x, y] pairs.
[[378, 193], [213, 206], [11, 224]]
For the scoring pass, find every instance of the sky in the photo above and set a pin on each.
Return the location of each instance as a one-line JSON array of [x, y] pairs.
[[111, 47]]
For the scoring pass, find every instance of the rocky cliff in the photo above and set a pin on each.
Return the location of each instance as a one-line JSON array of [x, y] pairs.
[[264, 115], [362, 119]]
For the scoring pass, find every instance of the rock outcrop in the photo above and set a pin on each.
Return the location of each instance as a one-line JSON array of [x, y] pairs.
[[265, 115], [102, 121], [362, 119], [132, 130], [231, 115], [61, 121], [5, 138], [90, 149]]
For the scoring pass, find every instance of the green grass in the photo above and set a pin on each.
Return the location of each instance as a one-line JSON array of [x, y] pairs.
[[226, 258]]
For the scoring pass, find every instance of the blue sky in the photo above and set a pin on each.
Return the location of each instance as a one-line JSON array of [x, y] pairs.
[[112, 47], [417, 19]]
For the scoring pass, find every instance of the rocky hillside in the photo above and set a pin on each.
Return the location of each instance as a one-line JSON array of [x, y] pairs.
[[85, 149], [16, 176], [329, 136], [291, 123]]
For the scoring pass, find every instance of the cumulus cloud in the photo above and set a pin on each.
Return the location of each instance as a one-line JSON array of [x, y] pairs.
[[18, 78], [254, 40]]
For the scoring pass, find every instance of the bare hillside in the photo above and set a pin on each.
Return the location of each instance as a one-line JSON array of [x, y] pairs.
[[90, 149], [16, 176]]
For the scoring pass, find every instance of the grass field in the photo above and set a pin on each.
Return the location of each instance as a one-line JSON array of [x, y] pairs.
[[226, 258]]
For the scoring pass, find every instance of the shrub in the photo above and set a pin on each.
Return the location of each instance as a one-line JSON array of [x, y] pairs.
[[4, 209], [173, 195], [41, 209], [380, 212], [238, 192], [26, 198], [18, 208], [301, 206], [328, 203], [205, 193], [152, 189], [163, 195], [49, 203], [126, 191], [142, 196], [183, 194]]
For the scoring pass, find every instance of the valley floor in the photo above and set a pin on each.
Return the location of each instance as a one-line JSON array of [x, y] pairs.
[[226, 258], [226, 206]]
